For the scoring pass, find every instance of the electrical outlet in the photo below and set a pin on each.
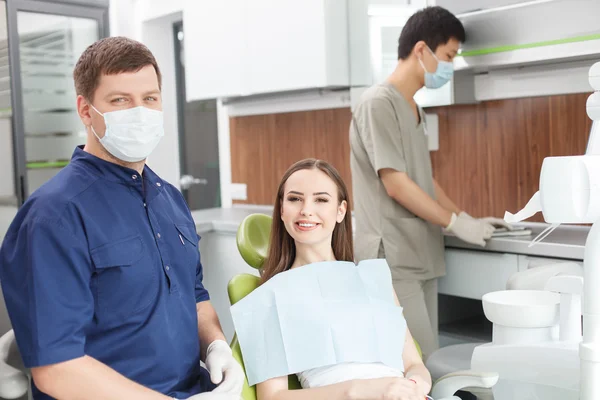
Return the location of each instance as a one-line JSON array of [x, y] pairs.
[[432, 130], [238, 191]]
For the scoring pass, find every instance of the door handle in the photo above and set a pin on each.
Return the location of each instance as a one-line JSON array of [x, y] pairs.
[[186, 181]]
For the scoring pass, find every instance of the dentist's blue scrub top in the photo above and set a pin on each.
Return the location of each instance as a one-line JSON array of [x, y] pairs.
[[104, 262]]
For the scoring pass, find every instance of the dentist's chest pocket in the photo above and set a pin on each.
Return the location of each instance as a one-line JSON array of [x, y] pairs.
[[185, 254], [126, 278]]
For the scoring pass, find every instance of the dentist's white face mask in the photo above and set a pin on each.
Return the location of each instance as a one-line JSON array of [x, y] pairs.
[[131, 134]]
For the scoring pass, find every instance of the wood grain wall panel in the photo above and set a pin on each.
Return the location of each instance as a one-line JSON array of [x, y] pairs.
[[489, 159], [264, 146], [491, 153]]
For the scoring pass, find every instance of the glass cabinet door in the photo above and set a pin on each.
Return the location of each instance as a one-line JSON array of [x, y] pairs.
[[50, 45], [45, 40], [8, 194]]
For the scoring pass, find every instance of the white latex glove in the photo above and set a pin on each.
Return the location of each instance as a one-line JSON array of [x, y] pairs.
[[496, 222], [214, 396], [224, 370], [470, 230]]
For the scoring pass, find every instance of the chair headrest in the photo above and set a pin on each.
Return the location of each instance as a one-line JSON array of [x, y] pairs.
[[253, 239], [240, 286]]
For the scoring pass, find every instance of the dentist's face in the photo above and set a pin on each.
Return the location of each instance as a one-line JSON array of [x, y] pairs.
[[119, 92], [310, 207]]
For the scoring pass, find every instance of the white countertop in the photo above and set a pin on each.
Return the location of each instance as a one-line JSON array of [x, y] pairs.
[[565, 242]]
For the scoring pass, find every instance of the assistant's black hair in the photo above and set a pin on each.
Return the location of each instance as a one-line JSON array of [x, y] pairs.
[[434, 25]]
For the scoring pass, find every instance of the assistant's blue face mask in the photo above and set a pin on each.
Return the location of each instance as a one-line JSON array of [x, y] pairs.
[[442, 74]]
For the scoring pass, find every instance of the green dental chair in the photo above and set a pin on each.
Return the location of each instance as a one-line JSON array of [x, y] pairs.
[[253, 242]]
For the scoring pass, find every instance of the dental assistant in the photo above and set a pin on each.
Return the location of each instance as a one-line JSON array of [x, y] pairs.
[[400, 209], [100, 269]]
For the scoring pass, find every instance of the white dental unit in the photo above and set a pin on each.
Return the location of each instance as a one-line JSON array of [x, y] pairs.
[[537, 347]]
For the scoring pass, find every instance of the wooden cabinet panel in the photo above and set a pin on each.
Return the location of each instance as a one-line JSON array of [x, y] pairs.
[[491, 153], [489, 159], [264, 146]]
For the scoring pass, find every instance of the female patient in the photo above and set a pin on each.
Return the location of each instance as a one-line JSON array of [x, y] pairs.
[[310, 224]]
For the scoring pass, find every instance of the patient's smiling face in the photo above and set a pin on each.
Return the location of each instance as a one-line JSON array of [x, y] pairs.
[[310, 207], [309, 219]]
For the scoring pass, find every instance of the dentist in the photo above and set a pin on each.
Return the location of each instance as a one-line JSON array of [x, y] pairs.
[[100, 269], [400, 209]]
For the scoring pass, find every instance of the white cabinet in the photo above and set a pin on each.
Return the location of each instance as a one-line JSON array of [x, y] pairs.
[[472, 274], [527, 262], [221, 261], [244, 47], [215, 49], [465, 6], [297, 45]]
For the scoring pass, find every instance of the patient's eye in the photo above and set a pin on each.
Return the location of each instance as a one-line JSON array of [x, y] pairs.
[[322, 200], [293, 198]]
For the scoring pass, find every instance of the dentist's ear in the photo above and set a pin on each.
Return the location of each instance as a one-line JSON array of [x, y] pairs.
[[84, 110]]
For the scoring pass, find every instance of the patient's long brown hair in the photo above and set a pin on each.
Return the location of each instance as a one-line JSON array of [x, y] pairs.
[[282, 248]]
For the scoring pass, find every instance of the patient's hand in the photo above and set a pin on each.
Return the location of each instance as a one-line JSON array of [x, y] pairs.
[[385, 389]]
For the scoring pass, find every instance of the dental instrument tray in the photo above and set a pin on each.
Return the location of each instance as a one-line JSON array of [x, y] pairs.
[[516, 231]]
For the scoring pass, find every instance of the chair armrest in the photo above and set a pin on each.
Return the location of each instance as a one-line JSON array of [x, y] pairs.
[[447, 385]]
